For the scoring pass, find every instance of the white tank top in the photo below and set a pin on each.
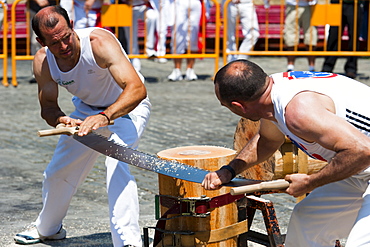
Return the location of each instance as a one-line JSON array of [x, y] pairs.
[[351, 99], [94, 85]]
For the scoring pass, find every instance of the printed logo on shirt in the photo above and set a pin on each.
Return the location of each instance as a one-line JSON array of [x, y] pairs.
[[90, 71], [307, 74], [304, 149], [65, 83]]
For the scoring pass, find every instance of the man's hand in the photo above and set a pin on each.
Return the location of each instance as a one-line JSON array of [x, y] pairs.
[[85, 127], [299, 184], [214, 180], [68, 121], [91, 123]]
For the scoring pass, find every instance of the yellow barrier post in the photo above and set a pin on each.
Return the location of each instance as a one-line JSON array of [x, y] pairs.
[[4, 55], [217, 34], [321, 15], [16, 57], [224, 35], [112, 15]]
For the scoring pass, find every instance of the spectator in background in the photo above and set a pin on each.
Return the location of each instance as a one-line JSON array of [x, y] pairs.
[[365, 22], [165, 19], [158, 18], [348, 19], [292, 31], [2, 13], [185, 36], [34, 7], [249, 23], [87, 13], [68, 6], [142, 9]]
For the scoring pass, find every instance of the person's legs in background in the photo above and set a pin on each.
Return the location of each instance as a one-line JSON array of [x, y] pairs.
[[250, 29]]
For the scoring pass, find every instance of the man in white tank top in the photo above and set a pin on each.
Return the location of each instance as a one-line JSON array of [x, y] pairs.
[[327, 116], [91, 64]]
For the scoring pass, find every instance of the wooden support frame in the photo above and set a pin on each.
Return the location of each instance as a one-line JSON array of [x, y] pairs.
[[247, 209]]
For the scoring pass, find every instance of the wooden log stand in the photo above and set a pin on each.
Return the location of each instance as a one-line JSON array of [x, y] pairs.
[[203, 229]]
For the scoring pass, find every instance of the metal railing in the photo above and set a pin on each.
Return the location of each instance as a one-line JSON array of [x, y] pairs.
[[324, 14], [4, 54], [14, 54], [269, 43]]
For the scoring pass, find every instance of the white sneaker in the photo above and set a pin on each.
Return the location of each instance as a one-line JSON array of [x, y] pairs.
[[175, 75], [162, 60], [32, 236], [151, 53], [136, 63], [190, 75]]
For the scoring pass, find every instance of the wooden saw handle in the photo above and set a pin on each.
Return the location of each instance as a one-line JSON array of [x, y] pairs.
[[61, 130], [279, 184], [58, 131]]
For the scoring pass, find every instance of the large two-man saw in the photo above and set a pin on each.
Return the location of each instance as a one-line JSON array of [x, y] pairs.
[[152, 163]]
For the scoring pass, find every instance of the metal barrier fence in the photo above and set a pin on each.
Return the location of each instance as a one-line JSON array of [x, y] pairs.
[[270, 42], [272, 22], [15, 33], [4, 54], [116, 17]]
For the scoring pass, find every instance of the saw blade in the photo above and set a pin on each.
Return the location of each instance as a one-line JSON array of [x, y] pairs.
[[149, 162]]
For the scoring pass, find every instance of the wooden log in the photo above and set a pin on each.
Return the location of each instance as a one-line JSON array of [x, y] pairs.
[[245, 130], [313, 166], [206, 157], [287, 160]]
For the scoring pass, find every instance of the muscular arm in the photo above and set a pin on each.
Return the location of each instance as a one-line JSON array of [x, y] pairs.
[[47, 91], [108, 54], [311, 116], [257, 150]]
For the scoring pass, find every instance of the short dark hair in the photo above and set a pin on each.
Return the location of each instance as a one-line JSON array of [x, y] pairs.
[[49, 21], [240, 80]]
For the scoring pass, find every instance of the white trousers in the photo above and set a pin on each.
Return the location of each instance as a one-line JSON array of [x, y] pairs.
[[150, 16], [186, 27], [72, 162], [165, 19], [68, 6], [333, 211], [1, 16], [83, 20], [249, 24]]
